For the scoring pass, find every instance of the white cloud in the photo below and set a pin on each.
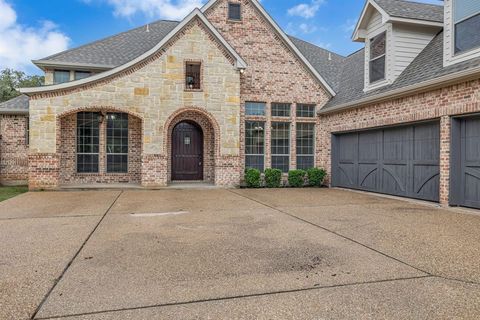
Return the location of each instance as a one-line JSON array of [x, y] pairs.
[[306, 10], [20, 44], [164, 9]]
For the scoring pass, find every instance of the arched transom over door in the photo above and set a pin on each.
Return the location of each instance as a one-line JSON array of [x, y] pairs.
[[187, 152]]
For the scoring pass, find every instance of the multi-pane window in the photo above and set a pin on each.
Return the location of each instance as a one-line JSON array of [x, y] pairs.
[[254, 108], [255, 145], [193, 75], [281, 146], [305, 145], [467, 25], [281, 110], [88, 133], [378, 57], [234, 11], [305, 110], [82, 75], [61, 76], [117, 142]]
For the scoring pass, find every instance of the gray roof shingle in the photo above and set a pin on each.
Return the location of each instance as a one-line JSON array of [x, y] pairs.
[[412, 10], [18, 104], [118, 49], [327, 63], [426, 66]]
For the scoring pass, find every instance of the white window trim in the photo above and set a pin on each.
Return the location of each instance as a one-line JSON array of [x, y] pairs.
[[450, 57], [387, 28]]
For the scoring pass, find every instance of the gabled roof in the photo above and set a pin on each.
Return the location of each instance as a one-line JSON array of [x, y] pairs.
[[17, 105], [240, 63], [425, 72], [113, 51], [399, 11], [412, 10], [287, 41]]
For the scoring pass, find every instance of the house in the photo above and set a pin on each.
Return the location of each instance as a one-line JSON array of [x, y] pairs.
[[226, 89]]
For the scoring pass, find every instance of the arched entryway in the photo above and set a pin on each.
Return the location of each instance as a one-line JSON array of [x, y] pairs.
[[187, 152], [196, 121]]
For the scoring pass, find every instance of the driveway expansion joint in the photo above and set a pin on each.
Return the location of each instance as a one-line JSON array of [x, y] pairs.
[[56, 281], [228, 298], [333, 232]]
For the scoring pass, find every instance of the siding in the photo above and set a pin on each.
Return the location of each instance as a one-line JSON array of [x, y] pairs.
[[408, 43]]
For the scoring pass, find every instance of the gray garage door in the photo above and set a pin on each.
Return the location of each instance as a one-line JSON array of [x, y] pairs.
[[402, 161], [465, 152]]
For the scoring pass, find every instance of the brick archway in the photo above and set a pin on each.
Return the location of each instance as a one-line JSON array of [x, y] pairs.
[[66, 145], [211, 138]]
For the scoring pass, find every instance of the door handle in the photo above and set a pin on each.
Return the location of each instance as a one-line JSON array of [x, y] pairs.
[[200, 164]]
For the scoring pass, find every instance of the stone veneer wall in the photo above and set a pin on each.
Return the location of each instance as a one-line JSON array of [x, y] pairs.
[[152, 91], [274, 73], [438, 104], [13, 149]]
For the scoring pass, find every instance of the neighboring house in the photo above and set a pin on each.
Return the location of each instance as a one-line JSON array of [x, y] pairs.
[[226, 89]]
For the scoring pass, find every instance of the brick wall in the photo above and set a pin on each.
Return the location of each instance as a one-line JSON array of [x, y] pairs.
[[274, 73], [68, 157], [13, 149], [438, 104]]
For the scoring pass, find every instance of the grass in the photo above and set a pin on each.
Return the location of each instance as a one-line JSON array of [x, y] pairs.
[[10, 192]]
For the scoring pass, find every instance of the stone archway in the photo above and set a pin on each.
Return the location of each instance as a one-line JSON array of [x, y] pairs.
[[211, 138]]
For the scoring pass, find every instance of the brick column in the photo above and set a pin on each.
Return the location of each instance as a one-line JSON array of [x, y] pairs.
[[445, 135]]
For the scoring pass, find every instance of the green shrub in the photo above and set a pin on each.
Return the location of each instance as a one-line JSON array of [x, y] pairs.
[[253, 178], [316, 176], [273, 178], [296, 178]]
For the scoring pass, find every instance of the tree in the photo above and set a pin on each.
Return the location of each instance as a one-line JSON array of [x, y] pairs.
[[11, 79]]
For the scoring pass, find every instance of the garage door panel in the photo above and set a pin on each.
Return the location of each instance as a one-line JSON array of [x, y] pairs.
[[396, 144], [348, 152], [465, 178], [346, 174], [368, 176], [394, 179], [401, 161], [426, 143], [426, 182], [472, 187]]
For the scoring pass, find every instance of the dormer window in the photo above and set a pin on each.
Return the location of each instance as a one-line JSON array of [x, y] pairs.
[[467, 25], [234, 11], [378, 52]]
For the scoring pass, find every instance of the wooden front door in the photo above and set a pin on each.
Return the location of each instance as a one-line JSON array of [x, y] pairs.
[[187, 152]]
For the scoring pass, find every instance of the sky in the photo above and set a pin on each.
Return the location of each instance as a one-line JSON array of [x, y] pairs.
[[34, 29]]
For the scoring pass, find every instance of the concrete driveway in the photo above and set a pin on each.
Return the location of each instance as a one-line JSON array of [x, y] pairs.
[[235, 254]]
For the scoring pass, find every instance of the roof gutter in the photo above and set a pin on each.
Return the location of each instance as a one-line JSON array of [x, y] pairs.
[[85, 66], [14, 112], [432, 84]]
